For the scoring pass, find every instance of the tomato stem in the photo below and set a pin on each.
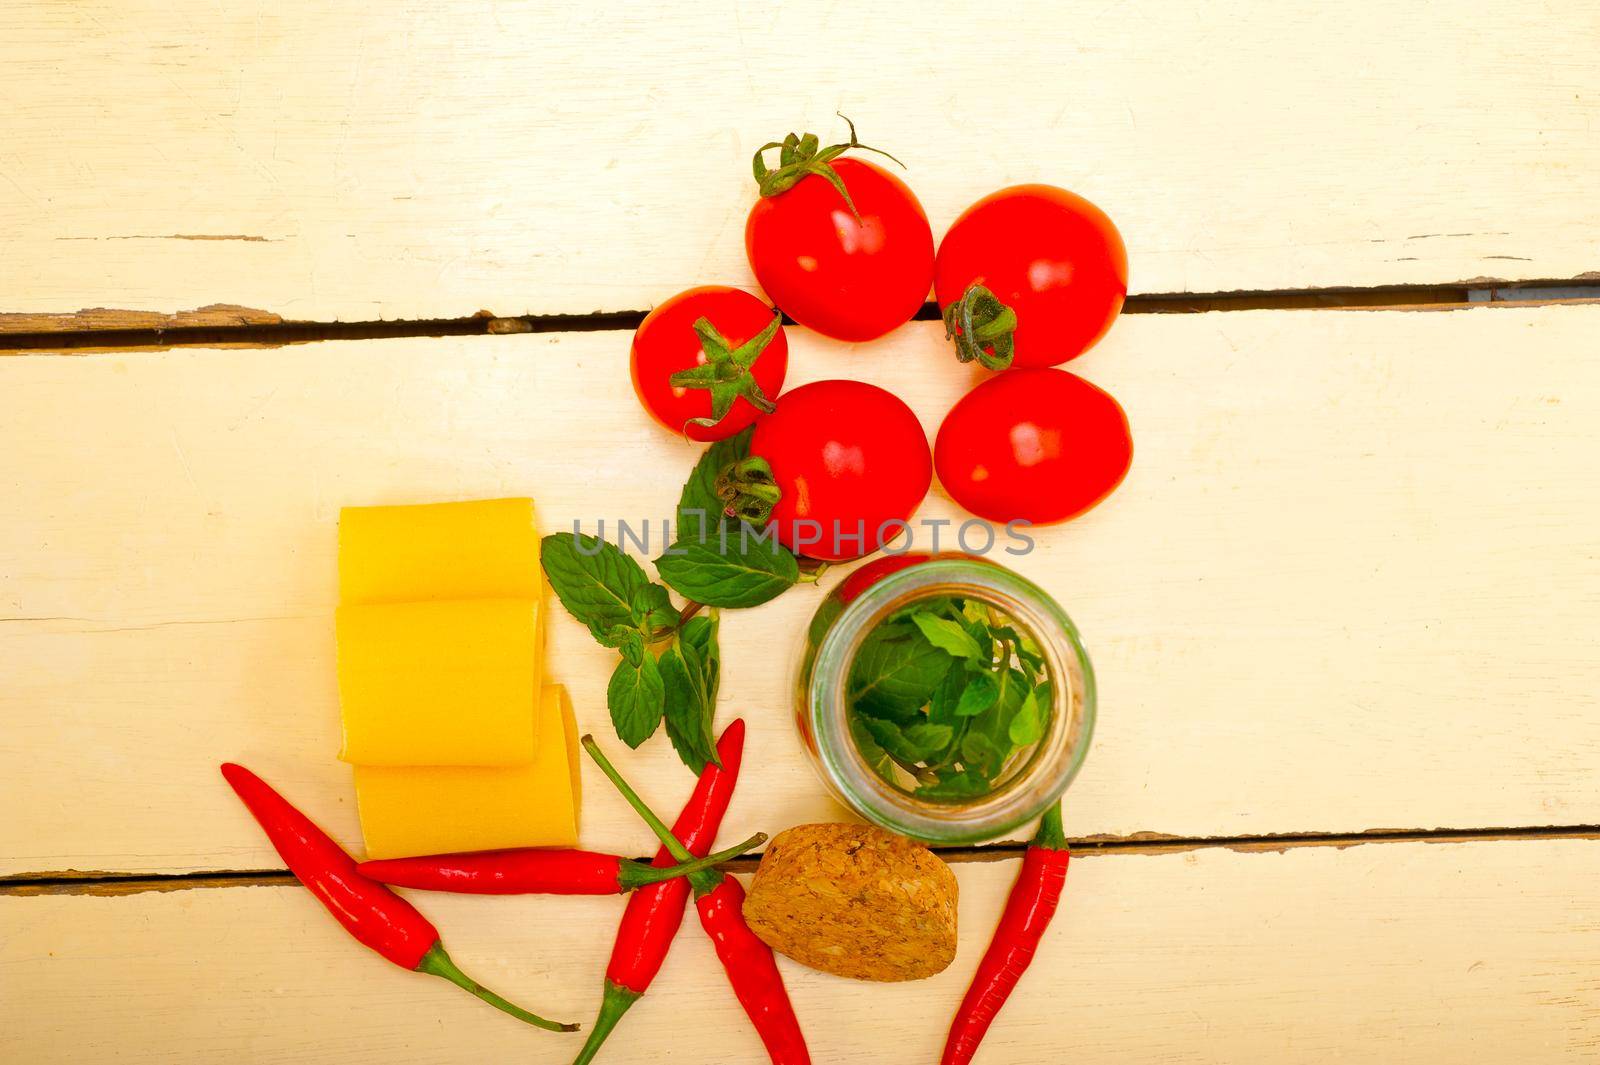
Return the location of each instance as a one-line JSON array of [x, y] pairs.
[[982, 328], [748, 490], [799, 157], [727, 372]]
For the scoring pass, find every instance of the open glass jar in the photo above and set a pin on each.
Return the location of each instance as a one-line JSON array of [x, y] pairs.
[[863, 642]]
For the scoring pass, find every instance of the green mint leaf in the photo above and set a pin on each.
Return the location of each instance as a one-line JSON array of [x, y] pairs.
[[939, 606], [631, 644], [700, 633], [893, 741], [646, 600], [732, 568], [1028, 724], [653, 612], [928, 739], [952, 751], [979, 693], [870, 749], [946, 697], [984, 639], [896, 667], [594, 580], [1014, 687], [956, 784], [995, 723], [691, 670], [979, 752], [688, 726], [636, 697], [949, 636], [875, 704], [619, 636], [699, 509], [1026, 649]]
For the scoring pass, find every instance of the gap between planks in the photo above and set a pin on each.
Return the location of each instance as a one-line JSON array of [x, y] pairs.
[[72, 882], [221, 325]]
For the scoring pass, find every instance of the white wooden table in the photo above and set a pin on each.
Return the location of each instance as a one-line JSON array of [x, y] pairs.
[[1345, 793]]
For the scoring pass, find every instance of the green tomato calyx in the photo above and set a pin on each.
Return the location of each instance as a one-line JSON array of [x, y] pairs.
[[799, 157]]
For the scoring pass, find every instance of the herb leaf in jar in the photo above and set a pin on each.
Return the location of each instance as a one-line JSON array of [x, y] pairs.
[[895, 672], [949, 636], [944, 694]]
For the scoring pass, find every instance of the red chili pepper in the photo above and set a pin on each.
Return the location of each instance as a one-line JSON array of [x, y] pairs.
[[1028, 911], [751, 968], [369, 911], [655, 913], [527, 871]]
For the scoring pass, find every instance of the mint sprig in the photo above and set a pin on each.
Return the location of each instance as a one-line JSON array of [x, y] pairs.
[[944, 694], [717, 559], [671, 663]]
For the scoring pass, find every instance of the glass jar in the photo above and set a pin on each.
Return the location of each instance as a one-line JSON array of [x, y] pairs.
[[1033, 779]]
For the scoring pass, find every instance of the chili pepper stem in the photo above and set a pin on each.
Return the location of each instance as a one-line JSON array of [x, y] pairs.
[[1051, 834], [658, 826], [613, 1004], [638, 874], [437, 963]]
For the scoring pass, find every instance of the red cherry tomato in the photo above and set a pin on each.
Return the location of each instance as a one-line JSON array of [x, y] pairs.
[[1051, 256], [851, 463], [846, 277], [1036, 445], [681, 371]]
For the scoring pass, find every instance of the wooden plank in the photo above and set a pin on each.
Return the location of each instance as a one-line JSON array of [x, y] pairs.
[[1410, 952], [344, 161], [1349, 584]]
